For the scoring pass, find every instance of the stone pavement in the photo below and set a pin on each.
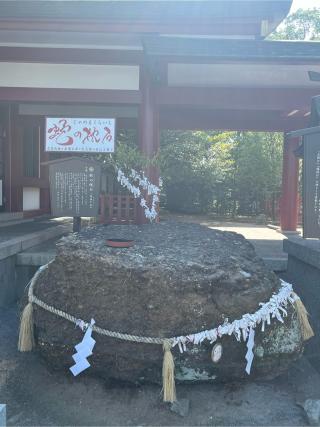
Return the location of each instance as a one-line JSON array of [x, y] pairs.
[[268, 242]]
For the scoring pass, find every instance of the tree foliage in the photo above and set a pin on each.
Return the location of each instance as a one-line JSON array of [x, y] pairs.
[[304, 24], [258, 171], [127, 155], [191, 169], [228, 173]]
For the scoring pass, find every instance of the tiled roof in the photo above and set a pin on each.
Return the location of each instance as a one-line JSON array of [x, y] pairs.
[[231, 49], [133, 10]]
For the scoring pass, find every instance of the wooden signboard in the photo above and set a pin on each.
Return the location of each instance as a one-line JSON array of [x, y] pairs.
[[311, 179], [311, 185], [90, 135], [74, 187]]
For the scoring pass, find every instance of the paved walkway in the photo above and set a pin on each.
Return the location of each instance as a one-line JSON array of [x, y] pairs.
[[267, 242], [16, 231]]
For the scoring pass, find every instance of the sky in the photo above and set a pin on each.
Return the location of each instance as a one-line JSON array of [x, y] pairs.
[[304, 4]]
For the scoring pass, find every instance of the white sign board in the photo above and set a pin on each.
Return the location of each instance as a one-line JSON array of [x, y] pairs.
[[82, 135]]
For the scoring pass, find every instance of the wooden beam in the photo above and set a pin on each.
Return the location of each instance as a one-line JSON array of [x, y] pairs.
[[184, 26], [237, 98], [183, 119], [70, 55], [21, 94]]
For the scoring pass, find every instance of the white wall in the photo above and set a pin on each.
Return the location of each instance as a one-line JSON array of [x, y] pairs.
[[241, 75], [31, 198], [69, 76]]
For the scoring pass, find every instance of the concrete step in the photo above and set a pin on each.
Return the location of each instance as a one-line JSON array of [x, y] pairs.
[[38, 255], [276, 264], [22, 243], [15, 222], [10, 216], [35, 258]]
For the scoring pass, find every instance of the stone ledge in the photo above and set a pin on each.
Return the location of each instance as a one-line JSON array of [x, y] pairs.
[[307, 251], [276, 264], [34, 258], [8, 216], [18, 244], [3, 415], [15, 222]]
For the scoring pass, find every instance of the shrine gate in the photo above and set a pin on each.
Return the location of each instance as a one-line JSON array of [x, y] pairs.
[[179, 64]]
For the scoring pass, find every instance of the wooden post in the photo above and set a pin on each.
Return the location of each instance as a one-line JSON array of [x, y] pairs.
[[290, 174], [76, 224], [103, 207], [149, 138], [7, 188]]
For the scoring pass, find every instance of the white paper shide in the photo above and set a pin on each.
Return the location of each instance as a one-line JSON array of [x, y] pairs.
[[83, 350]]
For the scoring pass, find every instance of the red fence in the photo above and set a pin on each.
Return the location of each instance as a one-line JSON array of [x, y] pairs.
[[118, 209]]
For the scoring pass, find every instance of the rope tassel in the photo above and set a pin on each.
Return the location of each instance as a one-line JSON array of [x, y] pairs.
[[168, 382], [26, 338], [306, 329]]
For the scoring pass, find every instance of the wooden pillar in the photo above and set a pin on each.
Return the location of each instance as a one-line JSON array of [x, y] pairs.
[[290, 174], [149, 137], [45, 205], [8, 160]]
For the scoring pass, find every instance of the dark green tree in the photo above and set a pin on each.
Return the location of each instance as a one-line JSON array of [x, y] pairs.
[[227, 173], [258, 172], [304, 24]]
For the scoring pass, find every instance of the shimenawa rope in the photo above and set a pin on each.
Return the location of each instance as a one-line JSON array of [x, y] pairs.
[[273, 307]]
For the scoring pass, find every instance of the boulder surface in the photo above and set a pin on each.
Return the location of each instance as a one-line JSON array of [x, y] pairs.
[[177, 279]]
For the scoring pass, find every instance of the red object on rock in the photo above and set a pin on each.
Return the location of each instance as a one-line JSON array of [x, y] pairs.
[[120, 243]]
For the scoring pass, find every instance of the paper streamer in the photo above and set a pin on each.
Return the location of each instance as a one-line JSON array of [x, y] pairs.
[[250, 355], [84, 350]]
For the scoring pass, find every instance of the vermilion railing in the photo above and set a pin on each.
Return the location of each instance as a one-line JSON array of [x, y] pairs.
[[117, 209]]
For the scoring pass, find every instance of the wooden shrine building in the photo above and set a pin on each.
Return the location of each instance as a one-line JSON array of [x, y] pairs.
[[151, 64]]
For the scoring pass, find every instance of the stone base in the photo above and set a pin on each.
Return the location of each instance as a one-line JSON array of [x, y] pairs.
[[304, 273], [2, 415], [13, 280]]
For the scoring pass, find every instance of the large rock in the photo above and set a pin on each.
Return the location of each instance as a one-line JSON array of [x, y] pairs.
[[177, 279]]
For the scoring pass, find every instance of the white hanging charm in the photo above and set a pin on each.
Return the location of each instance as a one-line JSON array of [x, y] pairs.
[[151, 189], [84, 350], [216, 353], [250, 355]]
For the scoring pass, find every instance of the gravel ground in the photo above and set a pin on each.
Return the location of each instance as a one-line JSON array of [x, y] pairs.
[[36, 395]]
